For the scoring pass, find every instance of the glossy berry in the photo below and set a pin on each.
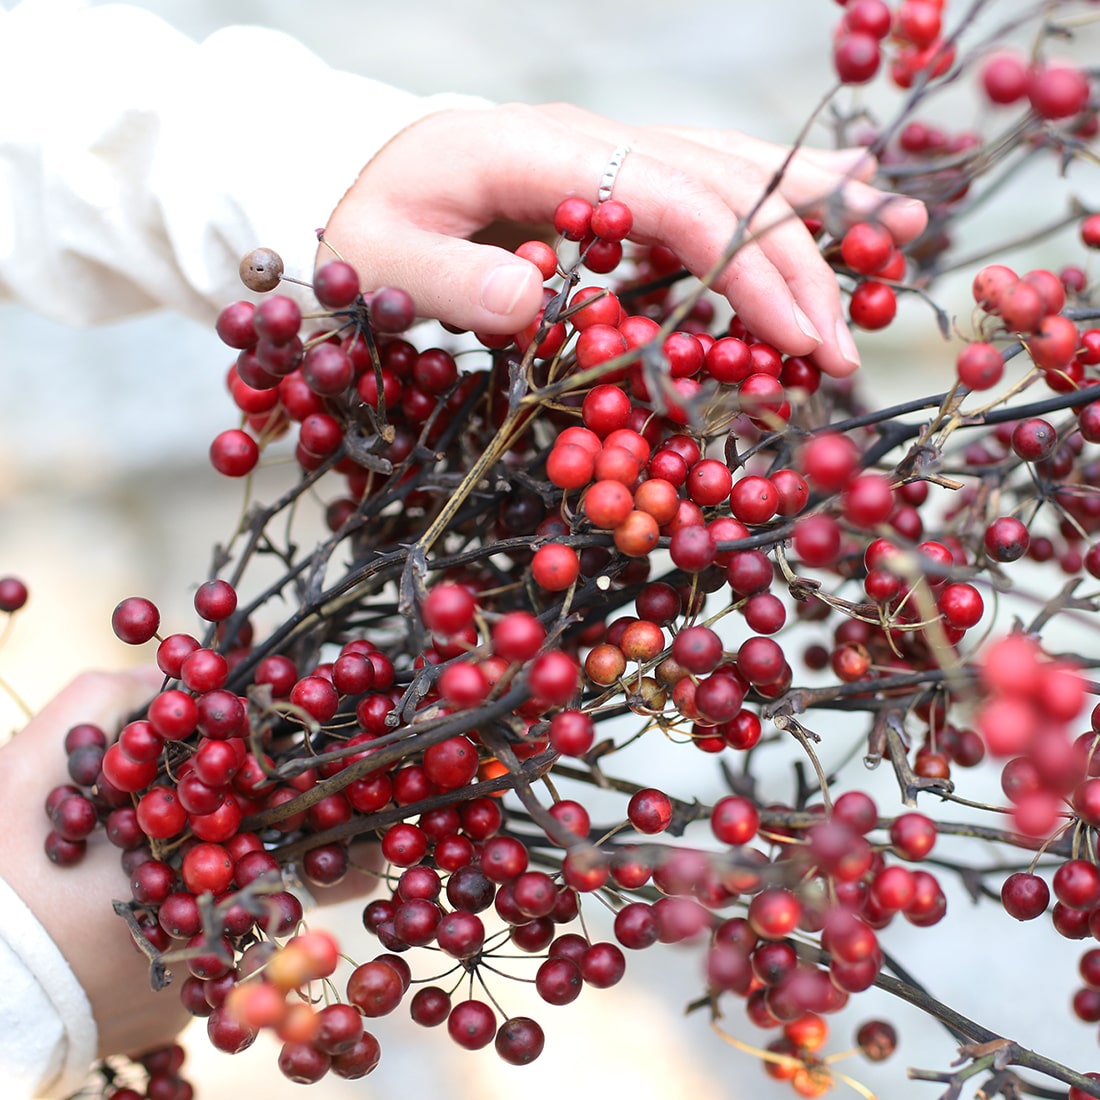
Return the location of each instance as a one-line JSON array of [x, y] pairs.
[[375, 988], [873, 305], [234, 453], [1034, 439], [980, 366], [472, 1024], [135, 620], [336, 284], [215, 600], [856, 57], [13, 594], [866, 247], [734, 820], [649, 811], [1024, 896], [573, 218], [519, 1040], [612, 220], [913, 835], [1006, 539], [1077, 884], [774, 913], [391, 310]]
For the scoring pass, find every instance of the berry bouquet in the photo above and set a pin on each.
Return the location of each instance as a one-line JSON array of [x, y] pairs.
[[505, 571]]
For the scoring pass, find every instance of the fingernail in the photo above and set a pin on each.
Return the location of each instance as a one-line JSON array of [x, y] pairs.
[[846, 345], [903, 202], [505, 286], [805, 325]]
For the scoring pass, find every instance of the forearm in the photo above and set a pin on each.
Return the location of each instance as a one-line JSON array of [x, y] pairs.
[[175, 158]]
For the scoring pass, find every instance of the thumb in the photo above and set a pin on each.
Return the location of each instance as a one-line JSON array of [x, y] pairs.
[[478, 287]]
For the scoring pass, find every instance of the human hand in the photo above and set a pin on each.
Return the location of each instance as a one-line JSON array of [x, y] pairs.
[[408, 219], [73, 904]]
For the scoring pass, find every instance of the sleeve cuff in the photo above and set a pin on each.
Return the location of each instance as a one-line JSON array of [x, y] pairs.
[[48, 1036], [177, 158]]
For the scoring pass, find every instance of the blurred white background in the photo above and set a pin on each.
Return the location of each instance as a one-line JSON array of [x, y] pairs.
[[105, 492]]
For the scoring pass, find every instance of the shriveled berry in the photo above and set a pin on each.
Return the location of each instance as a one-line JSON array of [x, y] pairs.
[[261, 269]]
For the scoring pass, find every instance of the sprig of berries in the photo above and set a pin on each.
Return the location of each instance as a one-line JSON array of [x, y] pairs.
[[634, 508]]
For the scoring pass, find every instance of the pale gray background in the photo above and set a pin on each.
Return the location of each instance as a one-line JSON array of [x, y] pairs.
[[104, 491]]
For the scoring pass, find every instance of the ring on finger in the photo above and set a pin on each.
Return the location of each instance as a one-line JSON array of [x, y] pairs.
[[607, 180]]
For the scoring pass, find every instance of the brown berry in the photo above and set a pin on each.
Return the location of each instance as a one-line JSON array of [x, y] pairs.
[[261, 269], [877, 1040]]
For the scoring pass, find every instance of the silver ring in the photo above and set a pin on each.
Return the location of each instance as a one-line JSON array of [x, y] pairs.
[[607, 180]]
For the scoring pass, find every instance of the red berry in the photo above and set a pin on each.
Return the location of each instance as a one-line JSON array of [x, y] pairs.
[[774, 913], [472, 1024], [135, 620], [541, 255], [913, 835], [1077, 884], [375, 988], [873, 305], [234, 325], [391, 310], [448, 609], [829, 460], [215, 600], [336, 284], [555, 567], [856, 57], [573, 218], [980, 366], [612, 220], [866, 247], [1006, 539], [1058, 91], [1005, 78], [734, 820], [649, 810], [234, 453], [13, 594], [519, 1040], [1090, 231]]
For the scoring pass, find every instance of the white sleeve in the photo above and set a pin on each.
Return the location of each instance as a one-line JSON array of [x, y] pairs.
[[47, 1034], [138, 166]]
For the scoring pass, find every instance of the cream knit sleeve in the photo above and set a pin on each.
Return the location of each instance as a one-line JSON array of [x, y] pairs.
[[47, 1033], [138, 166]]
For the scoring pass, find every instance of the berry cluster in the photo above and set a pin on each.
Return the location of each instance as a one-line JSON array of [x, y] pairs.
[[634, 521], [155, 1075]]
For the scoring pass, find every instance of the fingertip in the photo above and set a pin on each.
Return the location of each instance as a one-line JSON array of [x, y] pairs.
[[854, 161], [510, 296], [840, 358], [805, 325], [835, 367], [906, 217]]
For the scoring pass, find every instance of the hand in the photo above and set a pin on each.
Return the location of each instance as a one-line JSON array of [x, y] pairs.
[[408, 219], [73, 903]]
